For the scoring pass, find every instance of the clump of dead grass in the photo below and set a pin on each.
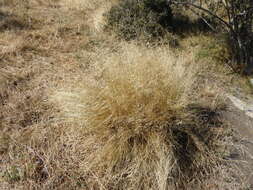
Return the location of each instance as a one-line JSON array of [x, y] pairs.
[[140, 126]]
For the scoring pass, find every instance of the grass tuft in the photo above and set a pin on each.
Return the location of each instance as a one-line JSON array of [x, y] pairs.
[[141, 129]]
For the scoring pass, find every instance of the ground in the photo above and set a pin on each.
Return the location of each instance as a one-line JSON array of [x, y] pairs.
[[243, 124], [46, 46]]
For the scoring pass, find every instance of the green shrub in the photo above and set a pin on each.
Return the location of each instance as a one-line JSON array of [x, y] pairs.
[[216, 49], [132, 19]]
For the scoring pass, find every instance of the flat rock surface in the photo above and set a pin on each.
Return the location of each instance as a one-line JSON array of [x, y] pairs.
[[240, 116], [245, 106]]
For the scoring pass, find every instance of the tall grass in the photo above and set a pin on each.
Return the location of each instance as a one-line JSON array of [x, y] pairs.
[[140, 129]]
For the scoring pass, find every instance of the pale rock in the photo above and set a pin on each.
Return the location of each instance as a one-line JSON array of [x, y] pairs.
[[244, 106]]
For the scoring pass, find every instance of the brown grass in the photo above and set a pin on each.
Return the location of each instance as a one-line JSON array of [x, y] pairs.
[[81, 110], [140, 128]]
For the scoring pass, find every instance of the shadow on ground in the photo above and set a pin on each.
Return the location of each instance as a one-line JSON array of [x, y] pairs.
[[12, 22]]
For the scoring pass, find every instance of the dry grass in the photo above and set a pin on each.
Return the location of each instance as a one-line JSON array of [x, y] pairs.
[[140, 128], [81, 110], [94, 10], [83, 4], [31, 145]]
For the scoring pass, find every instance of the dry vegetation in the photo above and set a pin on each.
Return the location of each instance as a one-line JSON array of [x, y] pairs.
[[81, 109], [141, 128]]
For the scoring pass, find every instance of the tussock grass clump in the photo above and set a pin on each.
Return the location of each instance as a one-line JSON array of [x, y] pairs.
[[140, 129], [132, 19]]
